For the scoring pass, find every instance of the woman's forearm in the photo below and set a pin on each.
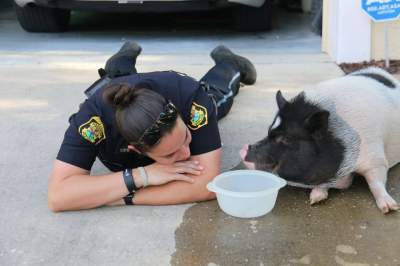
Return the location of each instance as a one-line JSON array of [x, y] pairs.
[[176, 192], [84, 192], [72, 188]]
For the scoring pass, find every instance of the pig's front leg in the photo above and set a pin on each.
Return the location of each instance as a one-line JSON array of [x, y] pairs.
[[376, 179], [318, 194]]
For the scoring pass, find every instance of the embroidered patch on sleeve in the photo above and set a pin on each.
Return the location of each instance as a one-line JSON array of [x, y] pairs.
[[93, 130], [198, 116]]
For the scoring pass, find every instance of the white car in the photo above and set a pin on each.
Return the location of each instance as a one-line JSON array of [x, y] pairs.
[[54, 15]]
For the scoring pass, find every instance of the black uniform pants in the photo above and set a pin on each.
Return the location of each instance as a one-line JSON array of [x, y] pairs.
[[221, 83]]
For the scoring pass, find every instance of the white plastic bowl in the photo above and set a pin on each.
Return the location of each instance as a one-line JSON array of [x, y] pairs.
[[246, 193]]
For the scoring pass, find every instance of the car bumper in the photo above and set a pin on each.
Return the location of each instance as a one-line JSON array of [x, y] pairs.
[[140, 5]]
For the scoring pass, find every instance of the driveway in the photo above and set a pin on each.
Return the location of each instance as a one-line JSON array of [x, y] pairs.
[[42, 79]]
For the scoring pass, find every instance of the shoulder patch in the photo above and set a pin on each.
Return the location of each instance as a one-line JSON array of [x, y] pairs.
[[198, 116], [93, 130]]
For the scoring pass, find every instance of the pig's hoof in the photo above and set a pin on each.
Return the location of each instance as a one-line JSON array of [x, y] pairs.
[[317, 195], [387, 204]]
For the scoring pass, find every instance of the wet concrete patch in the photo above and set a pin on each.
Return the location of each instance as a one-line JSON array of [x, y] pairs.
[[348, 229]]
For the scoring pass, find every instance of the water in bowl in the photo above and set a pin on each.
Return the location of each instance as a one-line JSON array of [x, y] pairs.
[[246, 183]]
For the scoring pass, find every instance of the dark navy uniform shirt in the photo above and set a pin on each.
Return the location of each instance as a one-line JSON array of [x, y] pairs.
[[93, 131]]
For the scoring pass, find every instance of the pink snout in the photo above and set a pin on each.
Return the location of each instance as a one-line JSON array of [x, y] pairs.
[[243, 153]]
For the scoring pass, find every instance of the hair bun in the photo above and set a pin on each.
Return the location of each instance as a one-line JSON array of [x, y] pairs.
[[120, 95]]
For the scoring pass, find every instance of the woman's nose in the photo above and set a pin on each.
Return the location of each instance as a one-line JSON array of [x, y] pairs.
[[185, 152]]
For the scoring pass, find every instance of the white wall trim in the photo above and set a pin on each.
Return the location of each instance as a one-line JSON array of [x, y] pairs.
[[349, 32]]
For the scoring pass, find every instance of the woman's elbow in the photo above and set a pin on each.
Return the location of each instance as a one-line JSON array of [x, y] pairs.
[[53, 200], [53, 205], [209, 196], [204, 195], [54, 208]]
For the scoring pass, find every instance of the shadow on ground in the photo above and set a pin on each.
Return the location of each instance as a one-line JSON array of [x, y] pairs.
[[211, 21], [347, 229]]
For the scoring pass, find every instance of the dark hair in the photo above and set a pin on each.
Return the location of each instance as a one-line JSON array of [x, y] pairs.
[[137, 109]]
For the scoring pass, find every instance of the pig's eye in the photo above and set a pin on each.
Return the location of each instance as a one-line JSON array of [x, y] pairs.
[[286, 141], [282, 140]]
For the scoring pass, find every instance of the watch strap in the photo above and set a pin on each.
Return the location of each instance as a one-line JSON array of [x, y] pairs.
[[129, 199], [129, 180]]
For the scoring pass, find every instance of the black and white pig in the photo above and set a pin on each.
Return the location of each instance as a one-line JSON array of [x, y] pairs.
[[324, 135]]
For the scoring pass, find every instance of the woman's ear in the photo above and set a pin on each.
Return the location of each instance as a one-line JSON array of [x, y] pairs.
[[133, 148]]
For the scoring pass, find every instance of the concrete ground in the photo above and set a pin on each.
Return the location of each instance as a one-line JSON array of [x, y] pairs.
[[42, 79]]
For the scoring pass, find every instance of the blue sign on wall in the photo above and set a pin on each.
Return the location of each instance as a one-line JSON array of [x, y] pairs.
[[382, 10]]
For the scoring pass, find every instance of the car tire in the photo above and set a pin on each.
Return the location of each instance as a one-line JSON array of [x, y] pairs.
[[246, 18], [35, 18], [316, 13]]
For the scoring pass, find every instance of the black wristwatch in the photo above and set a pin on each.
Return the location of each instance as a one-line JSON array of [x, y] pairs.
[[129, 180], [129, 199], [130, 185]]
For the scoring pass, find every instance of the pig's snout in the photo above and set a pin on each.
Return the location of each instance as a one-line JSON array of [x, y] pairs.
[[243, 153]]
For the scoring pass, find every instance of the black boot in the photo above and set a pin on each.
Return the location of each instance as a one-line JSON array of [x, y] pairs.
[[248, 73], [123, 62]]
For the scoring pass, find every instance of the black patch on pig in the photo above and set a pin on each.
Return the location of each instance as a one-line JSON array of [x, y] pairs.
[[384, 80], [301, 148]]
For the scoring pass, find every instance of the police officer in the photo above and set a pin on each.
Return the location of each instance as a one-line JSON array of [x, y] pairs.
[[157, 132]]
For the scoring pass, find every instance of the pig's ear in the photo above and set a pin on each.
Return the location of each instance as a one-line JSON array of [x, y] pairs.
[[317, 122], [280, 100]]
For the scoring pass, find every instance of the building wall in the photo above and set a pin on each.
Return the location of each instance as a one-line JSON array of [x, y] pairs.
[[325, 28], [354, 38], [378, 40], [346, 31]]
